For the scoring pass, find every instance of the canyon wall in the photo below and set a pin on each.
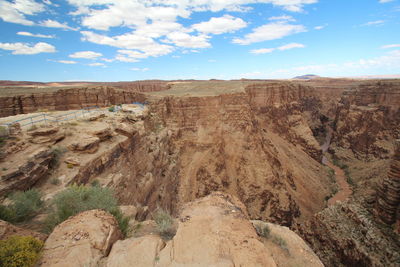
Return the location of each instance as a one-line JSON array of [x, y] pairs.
[[231, 143], [65, 99], [368, 119]]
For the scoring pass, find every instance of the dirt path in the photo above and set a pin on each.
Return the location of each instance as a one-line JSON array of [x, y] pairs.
[[344, 188]]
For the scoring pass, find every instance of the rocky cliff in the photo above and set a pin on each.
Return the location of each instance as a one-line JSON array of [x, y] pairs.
[[65, 99], [388, 192], [368, 119]]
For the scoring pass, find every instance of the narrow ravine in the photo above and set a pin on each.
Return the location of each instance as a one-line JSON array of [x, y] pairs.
[[344, 188]]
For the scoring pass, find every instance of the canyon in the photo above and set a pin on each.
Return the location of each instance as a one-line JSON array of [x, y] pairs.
[[268, 147]]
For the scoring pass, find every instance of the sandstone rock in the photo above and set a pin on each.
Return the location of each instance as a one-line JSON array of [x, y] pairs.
[[103, 133], [292, 250], [86, 144], [7, 230], [53, 138], [138, 252], [129, 211], [72, 161], [96, 117], [215, 231], [45, 131], [81, 240], [125, 129], [28, 173]]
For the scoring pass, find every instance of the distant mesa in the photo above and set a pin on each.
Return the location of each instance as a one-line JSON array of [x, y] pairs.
[[306, 77]]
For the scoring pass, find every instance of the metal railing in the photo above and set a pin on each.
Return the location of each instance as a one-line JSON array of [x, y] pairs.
[[32, 120]]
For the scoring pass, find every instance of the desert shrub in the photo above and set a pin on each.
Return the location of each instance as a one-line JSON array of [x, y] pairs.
[[20, 251], [6, 213], [55, 181], [263, 230], [23, 207], [95, 183], [280, 242], [58, 151], [111, 109], [26, 204], [76, 199], [165, 224]]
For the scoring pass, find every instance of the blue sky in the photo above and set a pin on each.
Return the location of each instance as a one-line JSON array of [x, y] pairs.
[[123, 40]]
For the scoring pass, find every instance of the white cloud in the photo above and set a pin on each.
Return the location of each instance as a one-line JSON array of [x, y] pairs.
[[271, 31], [96, 64], [16, 11], [262, 51], [220, 25], [66, 61], [131, 40], [372, 23], [140, 69], [26, 49], [390, 46], [385, 1], [35, 35], [55, 24], [183, 39], [281, 48], [282, 18], [319, 27], [86, 54], [290, 46]]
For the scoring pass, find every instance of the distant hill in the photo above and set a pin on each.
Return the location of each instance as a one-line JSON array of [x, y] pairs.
[[306, 77]]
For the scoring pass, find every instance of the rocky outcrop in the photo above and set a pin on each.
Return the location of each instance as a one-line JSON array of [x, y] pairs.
[[368, 119], [7, 230], [346, 234], [46, 135], [65, 99], [138, 252], [286, 247], [86, 144], [388, 193], [213, 231], [28, 173], [81, 240]]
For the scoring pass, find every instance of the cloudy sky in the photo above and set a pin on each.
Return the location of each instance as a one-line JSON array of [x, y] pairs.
[[116, 40]]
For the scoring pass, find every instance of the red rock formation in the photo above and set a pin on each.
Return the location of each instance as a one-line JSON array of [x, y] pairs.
[[65, 99], [368, 119], [388, 192]]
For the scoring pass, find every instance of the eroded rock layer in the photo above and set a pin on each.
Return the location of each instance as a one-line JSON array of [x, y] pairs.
[[65, 99], [388, 192]]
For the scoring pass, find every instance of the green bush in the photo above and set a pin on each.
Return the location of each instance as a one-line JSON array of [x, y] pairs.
[[76, 199], [20, 251], [280, 242], [263, 230], [7, 214], [55, 181], [165, 224], [26, 204], [58, 152], [23, 207], [111, 109]]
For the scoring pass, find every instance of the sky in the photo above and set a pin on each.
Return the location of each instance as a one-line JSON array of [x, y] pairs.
[[126, 40]]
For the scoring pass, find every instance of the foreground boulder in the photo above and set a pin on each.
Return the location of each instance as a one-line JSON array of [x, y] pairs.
[[81, 240]]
